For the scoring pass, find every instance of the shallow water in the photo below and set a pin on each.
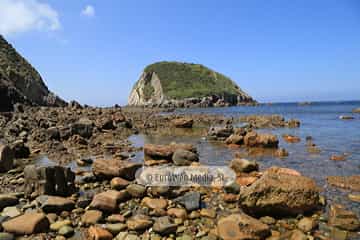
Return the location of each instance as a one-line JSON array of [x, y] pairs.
[[319, 120]]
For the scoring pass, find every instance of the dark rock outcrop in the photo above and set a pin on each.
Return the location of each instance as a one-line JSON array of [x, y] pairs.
[[20, 82]]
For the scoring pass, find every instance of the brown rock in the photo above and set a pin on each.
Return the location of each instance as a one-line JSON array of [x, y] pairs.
[[230, 198], [165, 152], [91, 217], [108, 169], [338, 157], [55, 204], [155, 203], [291, 139], [183, 123], [245, 180], [116, 218], [346, 182], [108, 201], [139, 222], [277, 194], [242, 227], [98, 233], [178, 213], [343, 219], [29, 223], [235, 139], [281, 170], [281, 152], [241, 165], [119, 183], [254, 139]]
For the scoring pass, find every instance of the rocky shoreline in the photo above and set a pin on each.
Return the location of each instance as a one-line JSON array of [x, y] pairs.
[[89, 191]]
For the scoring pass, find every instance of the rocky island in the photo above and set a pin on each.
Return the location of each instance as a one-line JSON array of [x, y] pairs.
[[176, 84], [68, 171]]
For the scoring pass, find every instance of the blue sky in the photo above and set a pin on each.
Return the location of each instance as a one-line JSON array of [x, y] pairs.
[[94, 51]]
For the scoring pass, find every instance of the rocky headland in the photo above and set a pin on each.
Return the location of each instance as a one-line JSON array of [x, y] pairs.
[[175, 84]]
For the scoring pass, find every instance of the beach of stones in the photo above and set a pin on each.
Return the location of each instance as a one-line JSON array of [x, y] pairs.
[[90, 191]]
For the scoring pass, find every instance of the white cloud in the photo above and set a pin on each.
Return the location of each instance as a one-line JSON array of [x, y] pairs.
[[88, 11], [26, 15]]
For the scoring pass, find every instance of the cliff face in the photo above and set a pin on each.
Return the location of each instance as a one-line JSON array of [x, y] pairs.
[[182, 84], [20, 82]]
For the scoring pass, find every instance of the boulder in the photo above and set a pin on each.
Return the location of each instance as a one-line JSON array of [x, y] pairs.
[[91, 217], [190, 200], [83, 127], [290, 138], [235, 139], [52, 204], [279, 194], [108, 201], [108, 169], [183, 122], [343, 219], [242, 227], [356, 110], [155, 203], [6, 158], [136, 190], [29, 223], [164, 226], [53, 180], [139, 222], [165, 152], [221, 132], [98, 233], [241, 165], [265, 140], [183, 157], [119, 183]]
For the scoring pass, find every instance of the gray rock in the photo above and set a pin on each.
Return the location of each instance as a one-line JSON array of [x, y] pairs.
[[183, 157], [164, 226], [190, 200], [84, 127]]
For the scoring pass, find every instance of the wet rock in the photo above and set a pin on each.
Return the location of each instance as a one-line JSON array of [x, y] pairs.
[[241, 165], [91, 217], [346, 182], [293, 123], [281, 152], [280, 194], [190, 200], [118, 183], [183, 157], [53, 180], [343, 219], [254, 139], [29, 223], [241, 227], [98, 233], [55, 204], [183, 122], [108, 201], [158, 151], [136, 190], [344, 117], [7, 200], [221, 132], [139, 222], [84, 128], [307, 224], [280, 170], [164, 226], [235, 139], [155, 203], [290, 138], [6, 158], [108, 169]]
